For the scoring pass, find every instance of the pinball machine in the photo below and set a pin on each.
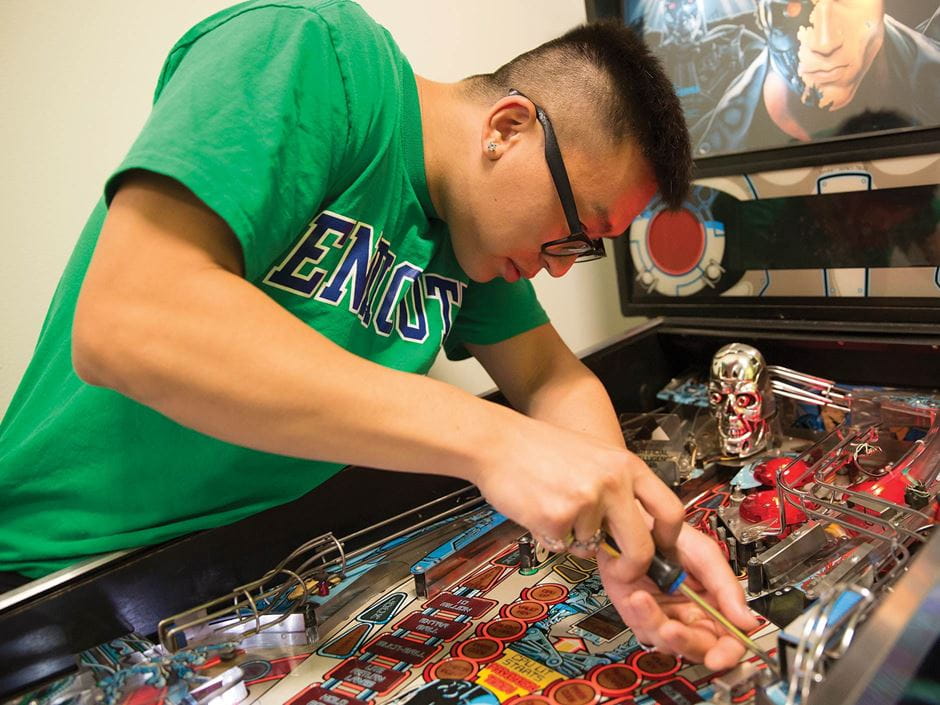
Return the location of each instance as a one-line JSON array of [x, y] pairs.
[[786, 386], [811, 454]]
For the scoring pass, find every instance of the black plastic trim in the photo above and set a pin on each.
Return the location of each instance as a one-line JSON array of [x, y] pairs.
[[831, 310]]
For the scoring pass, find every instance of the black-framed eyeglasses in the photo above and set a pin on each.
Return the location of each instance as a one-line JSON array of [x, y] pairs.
[[577, 244]]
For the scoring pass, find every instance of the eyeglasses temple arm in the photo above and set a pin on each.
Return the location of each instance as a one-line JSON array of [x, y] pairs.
[[557, 168]]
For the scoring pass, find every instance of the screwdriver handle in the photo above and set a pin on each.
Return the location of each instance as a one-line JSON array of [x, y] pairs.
[[667, 575]]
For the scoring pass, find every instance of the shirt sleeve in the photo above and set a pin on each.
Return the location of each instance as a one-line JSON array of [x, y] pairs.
[[251, 116], [493, 312]]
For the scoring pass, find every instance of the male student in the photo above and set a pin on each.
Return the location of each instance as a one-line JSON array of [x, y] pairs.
[[300, 226]]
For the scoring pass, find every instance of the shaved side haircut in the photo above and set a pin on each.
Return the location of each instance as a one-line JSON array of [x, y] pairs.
[[606, 66]]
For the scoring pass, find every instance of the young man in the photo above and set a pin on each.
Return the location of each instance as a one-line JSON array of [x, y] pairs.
[[300, 226]]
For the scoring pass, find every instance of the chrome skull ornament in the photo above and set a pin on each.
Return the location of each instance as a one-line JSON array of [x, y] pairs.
[[741, 400]]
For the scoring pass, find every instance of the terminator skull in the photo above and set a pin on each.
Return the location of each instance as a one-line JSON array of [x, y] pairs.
[[741, 400]]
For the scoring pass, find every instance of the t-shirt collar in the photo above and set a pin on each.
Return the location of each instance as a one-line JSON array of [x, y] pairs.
[[413, 142]]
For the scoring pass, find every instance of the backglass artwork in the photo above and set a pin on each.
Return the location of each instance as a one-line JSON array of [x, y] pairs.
[[763, 74]]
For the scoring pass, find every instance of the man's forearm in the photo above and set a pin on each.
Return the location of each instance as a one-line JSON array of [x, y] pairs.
[[220, 357], [215, 354], [574, 398], [165, 317]]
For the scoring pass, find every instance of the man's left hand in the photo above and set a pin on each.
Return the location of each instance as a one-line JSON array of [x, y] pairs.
[[672, 623]]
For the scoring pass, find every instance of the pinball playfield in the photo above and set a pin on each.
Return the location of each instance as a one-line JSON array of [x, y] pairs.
[[516, 624], [820, 496]]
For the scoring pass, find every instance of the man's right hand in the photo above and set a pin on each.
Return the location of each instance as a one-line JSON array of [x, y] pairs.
[[557, 483]]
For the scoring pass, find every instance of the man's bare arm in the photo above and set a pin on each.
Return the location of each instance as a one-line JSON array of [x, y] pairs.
[[166, 318], [542, 378]]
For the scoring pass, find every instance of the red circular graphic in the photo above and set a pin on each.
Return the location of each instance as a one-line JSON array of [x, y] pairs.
[[615, 679], [453, 669], [529, 700], [576, 691], [480, 649], [654, 664], [621, 701], [506, 629], [527, 610], [675, 241], [551, 593]]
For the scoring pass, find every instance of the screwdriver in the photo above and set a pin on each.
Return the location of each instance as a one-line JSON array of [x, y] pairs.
[[670, 578]]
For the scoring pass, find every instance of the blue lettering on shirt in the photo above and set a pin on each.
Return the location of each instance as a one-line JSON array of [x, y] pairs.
[[298, 272], [352, 269], [448, 292], [388, 297], [405, 275], [381, 262]]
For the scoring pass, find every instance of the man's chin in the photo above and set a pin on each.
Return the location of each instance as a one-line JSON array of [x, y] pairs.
[[830, 97], [476, 270], [834, 100], [481, 276], [483, 280]]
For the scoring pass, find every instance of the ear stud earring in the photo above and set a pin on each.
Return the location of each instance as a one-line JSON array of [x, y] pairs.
[[491, 147]]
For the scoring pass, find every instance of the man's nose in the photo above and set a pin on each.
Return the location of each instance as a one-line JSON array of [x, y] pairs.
[[558, 266], [827, 36]]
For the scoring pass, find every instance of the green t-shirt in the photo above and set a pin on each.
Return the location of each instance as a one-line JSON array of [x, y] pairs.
[[299, 124]]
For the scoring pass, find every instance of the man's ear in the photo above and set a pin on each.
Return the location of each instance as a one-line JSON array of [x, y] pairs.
[[507, 119]]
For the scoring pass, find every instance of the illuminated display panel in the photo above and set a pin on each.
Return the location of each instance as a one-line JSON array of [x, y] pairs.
[[868, 230]]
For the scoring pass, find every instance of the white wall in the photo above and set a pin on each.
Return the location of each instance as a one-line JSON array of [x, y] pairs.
[[76, 80]]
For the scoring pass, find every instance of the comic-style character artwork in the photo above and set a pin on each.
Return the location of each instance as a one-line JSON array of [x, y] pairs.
[[756, 74], [700, 57]]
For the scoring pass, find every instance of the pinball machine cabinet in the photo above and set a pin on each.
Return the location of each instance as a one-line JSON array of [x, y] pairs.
[[797, 263], [825, 257], [40, 636], [832, 269]]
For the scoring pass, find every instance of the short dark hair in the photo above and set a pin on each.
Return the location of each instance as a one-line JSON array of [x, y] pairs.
[[635, 98]]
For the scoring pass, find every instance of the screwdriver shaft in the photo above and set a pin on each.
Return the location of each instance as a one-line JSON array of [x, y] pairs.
[[610, 547], [748, 643]]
